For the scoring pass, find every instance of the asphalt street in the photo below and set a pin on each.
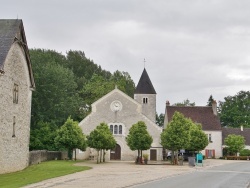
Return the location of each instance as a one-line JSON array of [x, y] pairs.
[[235, 175]]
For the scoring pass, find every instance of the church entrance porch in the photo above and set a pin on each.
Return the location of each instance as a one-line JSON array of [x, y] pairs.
[[115, 154]]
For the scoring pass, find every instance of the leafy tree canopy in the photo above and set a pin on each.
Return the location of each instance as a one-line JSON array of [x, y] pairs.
[[160, 119], [235, 110], [138, 137], [198, 139], [70, 136], [184, 103], [176, 135], [42, 137], [210, 101], [101, 138], [234, 143]]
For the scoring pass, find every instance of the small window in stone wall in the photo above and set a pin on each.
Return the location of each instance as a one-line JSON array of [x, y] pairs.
[[15, 94], [14, 127], [120, 129], [145, 100], [111, 129], [116, 129]]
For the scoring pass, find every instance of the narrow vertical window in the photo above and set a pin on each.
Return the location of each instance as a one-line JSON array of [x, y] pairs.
[[14, 127], [111, 129], [145, 100], [210, 137], [116, 129], [120, 129], [15, 94]]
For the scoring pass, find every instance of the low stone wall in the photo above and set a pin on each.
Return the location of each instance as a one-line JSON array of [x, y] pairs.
[[38, 156]]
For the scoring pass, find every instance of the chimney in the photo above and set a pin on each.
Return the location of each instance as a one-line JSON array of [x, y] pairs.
[[241, 128], [214, 107], [167, 103]]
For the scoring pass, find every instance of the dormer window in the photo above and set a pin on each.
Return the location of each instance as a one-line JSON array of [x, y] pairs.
[[15, 94], [145, 100]]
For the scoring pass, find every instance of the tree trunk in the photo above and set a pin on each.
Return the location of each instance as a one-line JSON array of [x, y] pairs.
[[70, 154], [75, 154], [97, 157], [141, 157], [172, 157], [101, 156], [104, 156]]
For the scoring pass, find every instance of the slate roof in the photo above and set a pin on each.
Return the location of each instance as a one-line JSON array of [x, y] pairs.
[[145, 85], [203, 115], [245, 133], [12, 30]]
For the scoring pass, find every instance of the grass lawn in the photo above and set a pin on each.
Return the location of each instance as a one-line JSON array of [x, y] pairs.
[[39, 172]]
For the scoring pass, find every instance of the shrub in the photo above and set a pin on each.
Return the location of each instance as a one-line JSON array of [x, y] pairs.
[[245, 152]]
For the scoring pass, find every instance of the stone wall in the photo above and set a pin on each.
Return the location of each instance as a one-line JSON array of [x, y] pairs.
[[15, 118], [38, 156]]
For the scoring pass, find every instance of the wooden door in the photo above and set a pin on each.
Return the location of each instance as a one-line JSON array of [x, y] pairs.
[[116, 153], [153, 154]]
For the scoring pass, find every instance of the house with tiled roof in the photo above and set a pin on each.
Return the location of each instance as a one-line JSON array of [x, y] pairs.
[[16, 85], [208, 118], [245, 132]]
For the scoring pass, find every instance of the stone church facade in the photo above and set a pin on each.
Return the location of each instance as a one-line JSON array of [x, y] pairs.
[[16, 85], [120, 112]]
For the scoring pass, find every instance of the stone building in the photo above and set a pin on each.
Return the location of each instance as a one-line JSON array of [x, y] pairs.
[[208, 118], [120, 112], [16, 85]]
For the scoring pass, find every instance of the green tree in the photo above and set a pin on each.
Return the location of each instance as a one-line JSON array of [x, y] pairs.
[[139, 138], [160, 119], [234, 143], [70, 137], [184, 103], [210, 101], [56, 96], [101, 139], [235, 110], [198, 139], [176, 136], [42, 137]]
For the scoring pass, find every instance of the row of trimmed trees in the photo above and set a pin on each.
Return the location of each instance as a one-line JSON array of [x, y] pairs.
[[181, 133]]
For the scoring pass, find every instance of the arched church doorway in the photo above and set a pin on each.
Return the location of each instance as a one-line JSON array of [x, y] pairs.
[[115, 154]]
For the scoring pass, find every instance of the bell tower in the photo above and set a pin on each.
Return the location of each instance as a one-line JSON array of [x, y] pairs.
[[145, 95]]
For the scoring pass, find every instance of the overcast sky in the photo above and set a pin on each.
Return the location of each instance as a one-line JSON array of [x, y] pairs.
[[193, 48]]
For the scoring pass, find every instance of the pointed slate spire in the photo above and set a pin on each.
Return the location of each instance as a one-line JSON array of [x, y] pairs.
[[145, 85]]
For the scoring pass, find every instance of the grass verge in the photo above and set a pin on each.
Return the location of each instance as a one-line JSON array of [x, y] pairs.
[[39, 172]]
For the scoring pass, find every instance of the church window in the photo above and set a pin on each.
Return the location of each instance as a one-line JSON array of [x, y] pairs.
[[14, 127], [111, 129], [116, 129], [145, 100], [15, 94], [120, 129]]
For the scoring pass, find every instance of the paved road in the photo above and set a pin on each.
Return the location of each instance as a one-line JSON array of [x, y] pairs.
[[235, 175], [124, 174]]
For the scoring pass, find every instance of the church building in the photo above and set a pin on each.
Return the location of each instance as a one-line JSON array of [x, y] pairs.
[[120, 112]]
